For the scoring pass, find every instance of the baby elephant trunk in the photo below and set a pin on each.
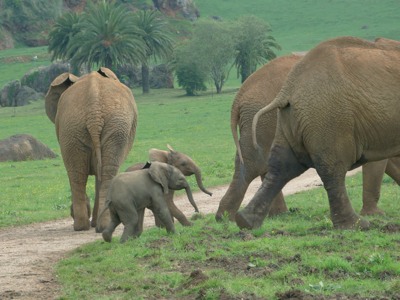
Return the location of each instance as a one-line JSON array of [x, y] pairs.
[[199, 181], [190, 197]]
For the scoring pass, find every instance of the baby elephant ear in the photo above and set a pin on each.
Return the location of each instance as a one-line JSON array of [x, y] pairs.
[[159, 173]]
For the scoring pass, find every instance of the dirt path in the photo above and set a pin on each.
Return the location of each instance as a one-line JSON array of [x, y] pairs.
[[29, 253]]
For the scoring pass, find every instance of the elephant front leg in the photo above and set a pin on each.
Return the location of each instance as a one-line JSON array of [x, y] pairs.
[[231, 201], [372, 180], [162, 211], [175, 211]]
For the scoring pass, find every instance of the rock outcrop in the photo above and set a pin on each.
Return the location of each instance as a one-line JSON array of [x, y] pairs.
[[22, 147]]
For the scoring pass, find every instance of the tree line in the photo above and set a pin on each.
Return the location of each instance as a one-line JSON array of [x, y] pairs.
[[108, 34]]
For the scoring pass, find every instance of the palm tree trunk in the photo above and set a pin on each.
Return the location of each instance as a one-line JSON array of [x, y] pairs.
[[145, 79]]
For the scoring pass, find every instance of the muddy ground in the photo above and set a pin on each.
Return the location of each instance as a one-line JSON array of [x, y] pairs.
[[28, 253]]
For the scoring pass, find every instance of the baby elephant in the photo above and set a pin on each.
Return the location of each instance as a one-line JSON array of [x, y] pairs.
[[131, 192]]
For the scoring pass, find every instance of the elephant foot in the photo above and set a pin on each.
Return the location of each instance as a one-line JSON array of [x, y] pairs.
[[368, 211], [247, 221], [188, 223], [107, 236], [93, 223], [354, 222], [80, 226]]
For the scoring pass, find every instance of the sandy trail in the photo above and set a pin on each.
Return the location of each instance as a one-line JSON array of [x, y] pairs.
[[29, 253]]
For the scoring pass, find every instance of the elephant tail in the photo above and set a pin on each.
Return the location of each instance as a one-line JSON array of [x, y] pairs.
[[234, 129], [279, 102], [97, 151]]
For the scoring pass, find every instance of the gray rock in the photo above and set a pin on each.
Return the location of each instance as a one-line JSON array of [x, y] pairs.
[[9, 93], [22, 147], [40, 78]]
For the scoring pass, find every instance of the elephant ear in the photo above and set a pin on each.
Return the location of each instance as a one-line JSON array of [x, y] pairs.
[[159, 173], [170, 148], [56, 89], [105, 72]]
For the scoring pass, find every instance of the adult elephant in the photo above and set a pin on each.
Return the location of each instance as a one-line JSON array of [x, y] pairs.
[[95, 118], [255, 93], [338, 110], [186, 165]]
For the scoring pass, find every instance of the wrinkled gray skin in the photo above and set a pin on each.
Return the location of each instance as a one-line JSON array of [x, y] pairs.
[[338, 110], [256, 92], [95, 120], [186, 165], [131, 192]]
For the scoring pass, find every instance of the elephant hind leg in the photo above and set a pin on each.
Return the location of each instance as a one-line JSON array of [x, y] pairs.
[[114, 222], [343, 215], [243, 175], [130, 219], [372, 179], [283, 166]]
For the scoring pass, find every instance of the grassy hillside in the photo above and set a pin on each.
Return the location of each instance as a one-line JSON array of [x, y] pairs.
[[299, 25]]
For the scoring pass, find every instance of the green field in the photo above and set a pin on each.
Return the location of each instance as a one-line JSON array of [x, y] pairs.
[[297, 253]]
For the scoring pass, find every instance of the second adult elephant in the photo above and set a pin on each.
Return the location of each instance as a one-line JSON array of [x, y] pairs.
[[255, 93], [338, 109], [186, 165], [95, 118]]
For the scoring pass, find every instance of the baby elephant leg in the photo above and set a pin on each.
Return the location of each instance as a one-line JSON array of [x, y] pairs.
[[139, 226], [130, 220], [115, 221], [166, 218]]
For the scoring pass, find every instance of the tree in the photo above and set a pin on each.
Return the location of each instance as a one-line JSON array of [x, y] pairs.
[[210, 51], [108, 37], [190, 72], [158, 43], [60, 37], [253, 45], [214, 45]]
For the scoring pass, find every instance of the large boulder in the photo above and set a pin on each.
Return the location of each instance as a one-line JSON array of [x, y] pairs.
[[40, 78], [14, 94], [24, 147]]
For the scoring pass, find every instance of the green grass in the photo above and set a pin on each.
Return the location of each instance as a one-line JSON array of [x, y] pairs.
[[297, 252], [300, 25], [199, 128]]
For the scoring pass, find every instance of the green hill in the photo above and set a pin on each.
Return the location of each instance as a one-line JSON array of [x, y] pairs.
[[299, 25]]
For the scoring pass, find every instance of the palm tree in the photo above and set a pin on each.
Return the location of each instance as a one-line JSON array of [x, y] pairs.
[[60, 37], [108, 37], [253, 45], [158, 43]]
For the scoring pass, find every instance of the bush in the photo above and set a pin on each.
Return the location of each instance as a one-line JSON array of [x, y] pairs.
[[190, 78]]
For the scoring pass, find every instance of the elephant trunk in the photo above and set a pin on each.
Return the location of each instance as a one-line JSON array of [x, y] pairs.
[[190, 197], [199, 181]]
